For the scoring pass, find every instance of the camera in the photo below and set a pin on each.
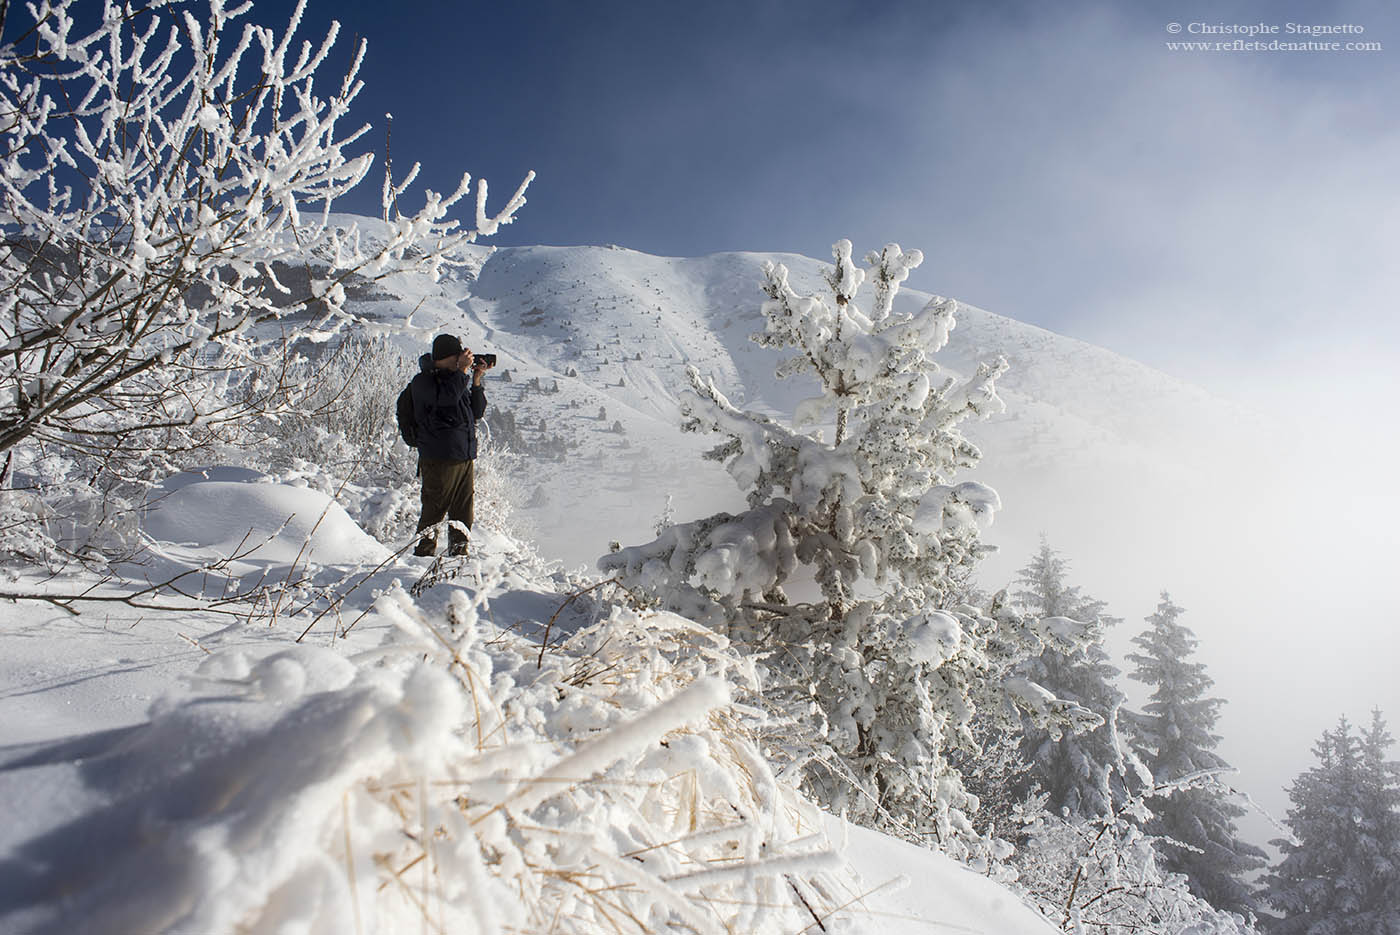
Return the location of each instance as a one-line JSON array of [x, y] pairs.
[[489, 359]]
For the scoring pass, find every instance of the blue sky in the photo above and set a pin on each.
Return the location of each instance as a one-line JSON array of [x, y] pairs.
[[1227, 216]]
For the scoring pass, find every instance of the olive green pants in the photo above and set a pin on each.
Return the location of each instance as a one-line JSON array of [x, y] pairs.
[[448, 488]]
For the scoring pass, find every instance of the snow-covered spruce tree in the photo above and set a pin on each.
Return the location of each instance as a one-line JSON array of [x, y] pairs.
[[1340, 872], [873, 520], [163, 182], [1381, 796], [1176, 732], [1079, 773]]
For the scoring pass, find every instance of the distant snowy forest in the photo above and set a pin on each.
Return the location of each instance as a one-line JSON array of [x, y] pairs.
[[199, 365]]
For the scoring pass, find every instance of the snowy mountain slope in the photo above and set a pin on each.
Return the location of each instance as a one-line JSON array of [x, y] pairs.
[[1143, 481], [614, 329], [1122, 465]]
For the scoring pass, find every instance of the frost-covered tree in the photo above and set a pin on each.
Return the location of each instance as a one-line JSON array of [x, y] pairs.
[[1079, 773], [1176, 729], [1104, 874], [165, 175], [1381, 797], [854, 508], [1340, 872]]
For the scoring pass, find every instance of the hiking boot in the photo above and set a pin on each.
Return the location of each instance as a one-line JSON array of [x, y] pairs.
[[457, 550], [426, 548]]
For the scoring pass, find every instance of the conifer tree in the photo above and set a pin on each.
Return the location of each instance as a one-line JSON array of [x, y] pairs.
[[1381, 799], [1177, 733], [1340, 873], [1081, 774], [891, 663]]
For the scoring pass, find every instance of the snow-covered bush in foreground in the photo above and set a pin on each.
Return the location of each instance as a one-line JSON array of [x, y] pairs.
[[890, 660], [452, 780], [166, 236]]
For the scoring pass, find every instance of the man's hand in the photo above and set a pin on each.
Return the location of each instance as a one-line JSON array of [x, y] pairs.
[[465, 360], [479, 368]]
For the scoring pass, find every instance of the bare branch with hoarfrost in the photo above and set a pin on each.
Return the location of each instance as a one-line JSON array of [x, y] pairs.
[[163, 179]]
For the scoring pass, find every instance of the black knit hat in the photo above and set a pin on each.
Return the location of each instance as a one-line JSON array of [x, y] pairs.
[[445, 346]]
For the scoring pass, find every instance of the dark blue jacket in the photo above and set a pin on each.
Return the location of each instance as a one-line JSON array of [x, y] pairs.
[[445, 409]]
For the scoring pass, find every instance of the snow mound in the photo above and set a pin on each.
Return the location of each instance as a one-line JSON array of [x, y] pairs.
[[274, 523], [208, 810], [946, 891]]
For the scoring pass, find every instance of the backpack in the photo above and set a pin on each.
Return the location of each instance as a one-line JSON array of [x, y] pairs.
[[408, 428]]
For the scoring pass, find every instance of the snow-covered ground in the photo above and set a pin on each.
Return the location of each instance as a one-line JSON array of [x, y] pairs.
[[165, 764], [358, 758]]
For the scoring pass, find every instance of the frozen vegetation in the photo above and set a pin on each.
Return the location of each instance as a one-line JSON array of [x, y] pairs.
[[232, 702]]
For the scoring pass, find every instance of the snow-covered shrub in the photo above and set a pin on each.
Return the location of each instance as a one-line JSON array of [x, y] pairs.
[[891, 665], [1103, 874], [500, 490], [165, 198], [452, 781], [22, 535], [335, 409], [57, 507], [573, 813], [346, 393]]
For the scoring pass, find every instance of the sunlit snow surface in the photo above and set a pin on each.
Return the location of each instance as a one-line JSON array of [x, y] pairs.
[[179, 771]]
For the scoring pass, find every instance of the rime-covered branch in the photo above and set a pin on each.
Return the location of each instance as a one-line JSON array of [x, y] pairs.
[[162, 178]]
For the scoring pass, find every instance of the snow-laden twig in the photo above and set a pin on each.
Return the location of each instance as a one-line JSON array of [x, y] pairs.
[[153, 268]]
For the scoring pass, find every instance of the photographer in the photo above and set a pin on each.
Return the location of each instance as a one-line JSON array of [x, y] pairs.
[[446, 406]]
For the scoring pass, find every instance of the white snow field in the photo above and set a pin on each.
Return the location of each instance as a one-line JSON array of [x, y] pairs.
[[413, 763]]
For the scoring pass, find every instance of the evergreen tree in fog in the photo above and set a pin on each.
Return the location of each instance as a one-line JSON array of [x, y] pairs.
[[1340, 874], [1078, 772], [1176, 731]]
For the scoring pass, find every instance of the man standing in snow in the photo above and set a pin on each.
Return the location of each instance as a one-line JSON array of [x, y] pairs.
[[446, 406]]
